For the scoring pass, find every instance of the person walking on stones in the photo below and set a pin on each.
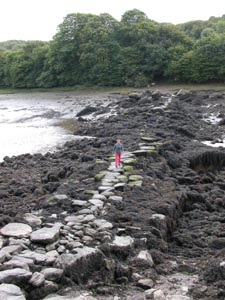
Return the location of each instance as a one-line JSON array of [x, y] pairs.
[[118, 150]]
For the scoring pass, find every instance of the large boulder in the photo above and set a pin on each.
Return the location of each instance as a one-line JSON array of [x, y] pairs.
[[86, 263]]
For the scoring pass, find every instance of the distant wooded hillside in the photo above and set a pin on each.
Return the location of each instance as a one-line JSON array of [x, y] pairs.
[[99, 50]]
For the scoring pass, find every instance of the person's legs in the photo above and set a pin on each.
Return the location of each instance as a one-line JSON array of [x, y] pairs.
[[119, 158], [116, 159]]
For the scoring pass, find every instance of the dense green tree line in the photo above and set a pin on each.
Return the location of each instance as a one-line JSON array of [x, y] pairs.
[[99, 50]]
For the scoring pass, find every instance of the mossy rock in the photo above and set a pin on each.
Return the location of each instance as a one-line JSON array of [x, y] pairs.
[[100, 161], [91, 192], [100, 175], [128, 161], [122, 178], [127, 168], [135, 183], [135, 177]]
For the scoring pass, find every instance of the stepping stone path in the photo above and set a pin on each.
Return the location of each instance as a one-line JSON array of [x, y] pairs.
[[68, 247]]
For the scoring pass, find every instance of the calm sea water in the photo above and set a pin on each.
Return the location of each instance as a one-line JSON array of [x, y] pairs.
[[29, 124]]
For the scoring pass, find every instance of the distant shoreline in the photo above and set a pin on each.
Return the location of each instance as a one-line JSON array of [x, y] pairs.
[[122, 90]]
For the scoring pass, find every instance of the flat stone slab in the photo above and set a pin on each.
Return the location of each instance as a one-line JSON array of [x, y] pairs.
[[32, 220], [80, 218], [15, 276], [103, 224], [79, 203], [16, 230], [46, 235], [99, 196], [135, 183], [135, 177], [96, 202], [105, 188], [11, 292], [116, 198], [123, 241]]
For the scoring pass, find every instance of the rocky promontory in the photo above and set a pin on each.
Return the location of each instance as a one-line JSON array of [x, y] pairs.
[[72, 226]]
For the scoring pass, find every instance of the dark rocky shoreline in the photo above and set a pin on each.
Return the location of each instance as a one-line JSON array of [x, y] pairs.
[[175, 215]]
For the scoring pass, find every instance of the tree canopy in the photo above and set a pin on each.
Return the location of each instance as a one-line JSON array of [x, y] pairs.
[[99, 50]]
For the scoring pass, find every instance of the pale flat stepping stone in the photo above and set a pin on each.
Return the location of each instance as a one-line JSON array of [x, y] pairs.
[[129, 161], [103, 224], [96, 202], [148, 139], [79, 203], [123, 241], [135, 177], [135, 183], [99, 196], [60, 197], [150, 148], [19, 230], [116, 198], [122, 178], [142, 152], [108, 193], [11, 292], [85, 211], [80, 218], [32, 220], [105, 188], [107, 183], [113, 168], [46, 235], [127, 154], [120, 186]]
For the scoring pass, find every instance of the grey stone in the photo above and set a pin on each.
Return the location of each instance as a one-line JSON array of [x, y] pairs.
[[37, 257], [1, 242], [16, 276], [80, 219], [46, 235], [16, 230], [32, 220], [85, 211], [74, 244], [16, 263], [79, 203], [123, 241], [145, 283], [103, 224], [144, 258], [97, 202], [5, 252], [37, 279], [159, 295], [53, 274], [60, 197], [116, 198], [99, 196], [11, 292]]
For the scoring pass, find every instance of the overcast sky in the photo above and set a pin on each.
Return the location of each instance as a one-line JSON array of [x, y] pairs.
[[38, 19]]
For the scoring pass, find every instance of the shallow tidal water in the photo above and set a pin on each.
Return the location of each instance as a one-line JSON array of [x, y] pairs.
[[32, 123]]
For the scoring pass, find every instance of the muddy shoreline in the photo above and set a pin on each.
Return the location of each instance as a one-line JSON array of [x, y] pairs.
[[176, 214]]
